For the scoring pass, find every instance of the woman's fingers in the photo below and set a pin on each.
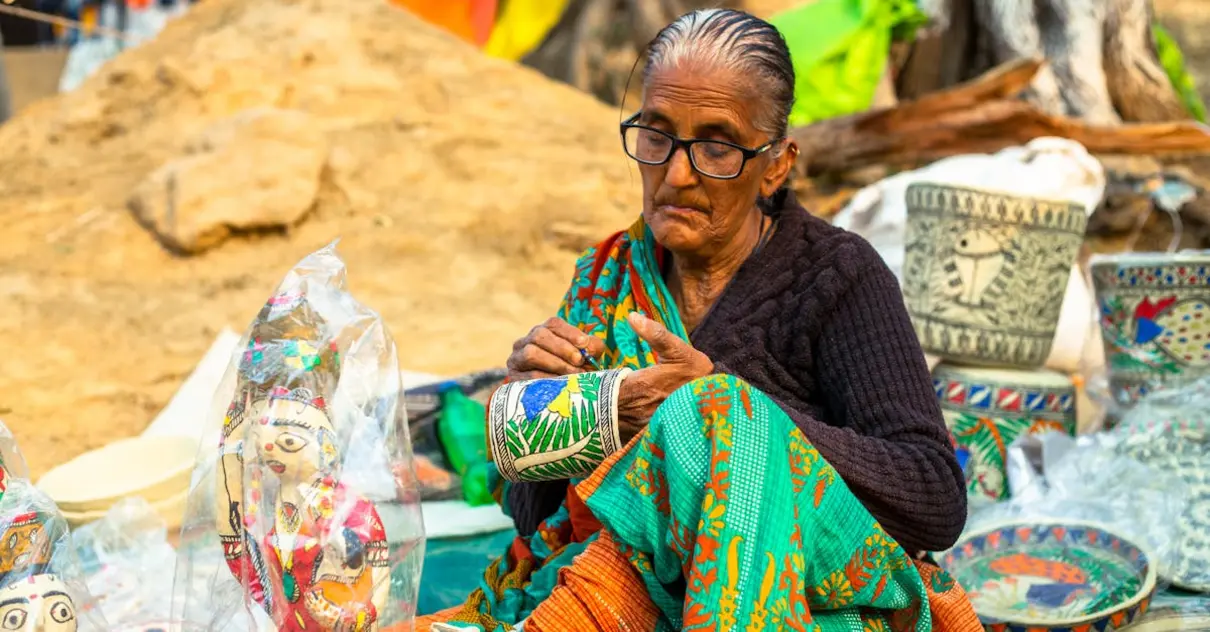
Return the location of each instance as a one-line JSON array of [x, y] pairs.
[[534, 358], [559, 346], [553, 348]]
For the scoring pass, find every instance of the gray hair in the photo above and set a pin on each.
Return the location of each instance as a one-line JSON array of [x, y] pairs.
[[737, 41]]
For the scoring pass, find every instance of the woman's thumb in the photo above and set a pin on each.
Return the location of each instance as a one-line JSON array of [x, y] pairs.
[[656, 335]]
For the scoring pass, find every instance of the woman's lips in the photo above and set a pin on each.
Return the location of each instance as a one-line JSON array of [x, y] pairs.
[[679, 210]]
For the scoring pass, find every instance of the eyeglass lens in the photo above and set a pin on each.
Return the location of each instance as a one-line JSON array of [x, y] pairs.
[[712, 159]]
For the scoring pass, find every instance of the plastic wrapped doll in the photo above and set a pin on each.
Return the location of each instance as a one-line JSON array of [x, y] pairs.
[[41, 588], [308, 453], [305, 547]]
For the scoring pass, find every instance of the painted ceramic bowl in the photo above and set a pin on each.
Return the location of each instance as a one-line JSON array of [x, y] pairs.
[[1181, 449], [985, 273], [987, 409], [1052, 575], [1155, 319]]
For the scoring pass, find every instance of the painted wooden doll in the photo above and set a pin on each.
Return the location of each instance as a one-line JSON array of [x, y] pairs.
[[39, 603], [307, 548]]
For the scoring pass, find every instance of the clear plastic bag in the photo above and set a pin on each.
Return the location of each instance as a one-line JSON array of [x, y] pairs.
[[128, 563], [305, 480], [1169, 432], [12, 462], [42, 588]]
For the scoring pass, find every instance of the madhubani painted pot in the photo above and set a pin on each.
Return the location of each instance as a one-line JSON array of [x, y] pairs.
[[987, 409], [1155, 319], [555, 428], [1054, 576], [985, 273]]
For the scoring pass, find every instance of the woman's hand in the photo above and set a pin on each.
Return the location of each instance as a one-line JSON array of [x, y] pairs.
[[644, 390], [552, 349]]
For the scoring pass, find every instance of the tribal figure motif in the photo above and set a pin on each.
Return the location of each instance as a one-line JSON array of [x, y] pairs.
[[307, 548], [24, 544]]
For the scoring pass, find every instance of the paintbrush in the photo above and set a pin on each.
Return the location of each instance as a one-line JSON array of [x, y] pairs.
[[596, 366]]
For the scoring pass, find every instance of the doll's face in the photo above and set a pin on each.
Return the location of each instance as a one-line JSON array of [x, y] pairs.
[[39, 603], [294, 440]]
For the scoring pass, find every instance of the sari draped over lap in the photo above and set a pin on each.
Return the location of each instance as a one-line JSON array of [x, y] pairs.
[[720, 515]]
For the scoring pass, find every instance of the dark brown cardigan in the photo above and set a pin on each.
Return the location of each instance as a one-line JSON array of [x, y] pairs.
[[816, 321]]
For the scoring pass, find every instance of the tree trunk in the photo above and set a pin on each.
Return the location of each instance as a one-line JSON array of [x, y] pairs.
[[1102, 60]]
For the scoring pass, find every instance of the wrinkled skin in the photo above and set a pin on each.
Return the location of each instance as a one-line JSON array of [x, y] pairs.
[[709, 225]]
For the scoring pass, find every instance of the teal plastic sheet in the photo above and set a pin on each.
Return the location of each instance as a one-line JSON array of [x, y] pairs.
[[453, 567]]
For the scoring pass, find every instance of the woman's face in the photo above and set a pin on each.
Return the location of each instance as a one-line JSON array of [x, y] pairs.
[[689, 213]]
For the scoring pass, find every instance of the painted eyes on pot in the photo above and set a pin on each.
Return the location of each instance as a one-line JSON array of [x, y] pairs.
[[14, 619], [62, 612], [290, 442]]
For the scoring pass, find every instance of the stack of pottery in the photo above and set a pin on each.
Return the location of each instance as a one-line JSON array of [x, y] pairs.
[[985, 275], [155, 468], [1154, 313]]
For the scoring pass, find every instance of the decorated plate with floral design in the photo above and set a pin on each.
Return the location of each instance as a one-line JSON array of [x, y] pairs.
[[1062, 576]]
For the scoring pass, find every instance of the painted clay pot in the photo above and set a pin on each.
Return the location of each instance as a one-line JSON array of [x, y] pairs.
[[555, 428], [987, 409], [1155, 319], [985, 273], [40, 603]]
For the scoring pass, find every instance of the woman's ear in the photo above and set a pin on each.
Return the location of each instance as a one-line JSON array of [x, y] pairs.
[[779, 168]]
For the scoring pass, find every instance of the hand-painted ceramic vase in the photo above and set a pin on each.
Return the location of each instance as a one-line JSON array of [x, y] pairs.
[[1155, 319], [555, 428], [40, 603], [987, 409], [1053, 576], [985, 273]]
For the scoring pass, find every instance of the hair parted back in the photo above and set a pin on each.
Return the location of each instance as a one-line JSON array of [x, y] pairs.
[[737, 41]]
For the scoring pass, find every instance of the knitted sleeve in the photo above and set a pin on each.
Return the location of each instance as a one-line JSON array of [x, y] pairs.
[[886, 436]]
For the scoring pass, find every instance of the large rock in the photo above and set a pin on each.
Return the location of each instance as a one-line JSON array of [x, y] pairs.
[[258, 170]]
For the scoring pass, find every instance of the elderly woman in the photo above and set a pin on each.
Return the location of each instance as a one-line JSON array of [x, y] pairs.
[[787, 464]]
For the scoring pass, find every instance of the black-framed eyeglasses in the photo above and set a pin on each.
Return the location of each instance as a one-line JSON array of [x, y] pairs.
[[712, 158]]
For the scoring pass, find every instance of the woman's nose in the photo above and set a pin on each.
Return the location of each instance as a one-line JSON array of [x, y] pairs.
[[680, 172]]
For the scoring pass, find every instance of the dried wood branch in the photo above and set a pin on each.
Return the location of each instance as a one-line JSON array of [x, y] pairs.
[[982, 116]]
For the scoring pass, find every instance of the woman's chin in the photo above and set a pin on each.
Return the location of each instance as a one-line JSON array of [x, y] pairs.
[[676, 232]]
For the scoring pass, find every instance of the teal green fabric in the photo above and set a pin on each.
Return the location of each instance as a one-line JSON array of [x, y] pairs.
[[723, 490], [839, 49]]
